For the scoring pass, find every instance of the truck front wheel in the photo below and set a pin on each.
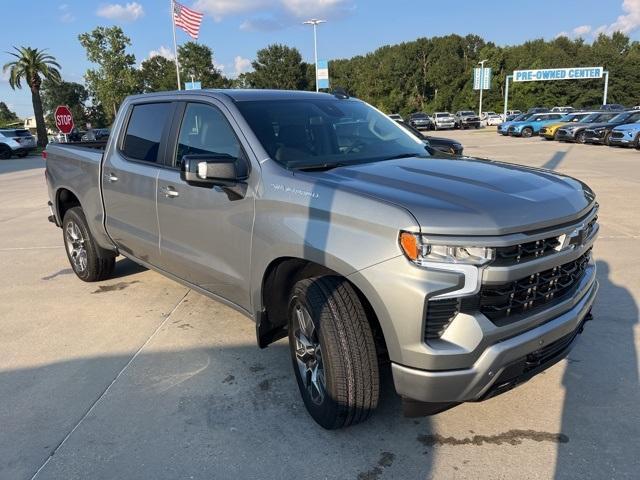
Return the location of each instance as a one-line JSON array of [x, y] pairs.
[[89, 262], [333, 352]]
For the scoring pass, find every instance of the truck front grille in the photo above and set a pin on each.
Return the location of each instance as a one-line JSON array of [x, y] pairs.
[[500, 302], [522, 252]]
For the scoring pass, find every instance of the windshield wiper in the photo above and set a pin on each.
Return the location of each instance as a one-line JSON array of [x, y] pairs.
[[404, 155], [317, 167]]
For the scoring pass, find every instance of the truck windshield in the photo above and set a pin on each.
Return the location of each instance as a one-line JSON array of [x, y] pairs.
[[307, 133]]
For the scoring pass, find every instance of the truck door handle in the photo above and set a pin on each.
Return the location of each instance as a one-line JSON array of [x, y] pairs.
[[169, 192], [110, 177]]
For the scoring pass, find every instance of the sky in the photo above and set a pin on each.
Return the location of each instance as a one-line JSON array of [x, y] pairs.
[[236, 29]]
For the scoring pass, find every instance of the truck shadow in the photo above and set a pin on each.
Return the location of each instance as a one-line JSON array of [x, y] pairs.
[[601, 377], [125, 267], [231, 412]]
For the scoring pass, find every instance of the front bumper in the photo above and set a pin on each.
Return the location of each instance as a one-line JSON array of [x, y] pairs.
[[565, 137], [502, 365], [594, 138], [621, 142], [445, 124]]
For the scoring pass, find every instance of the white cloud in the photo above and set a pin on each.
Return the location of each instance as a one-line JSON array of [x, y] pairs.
[[162, 52], [222, 8], [269, 15], [627, 23], [582, 30], [116, 11], [65, 15], [241, 65]]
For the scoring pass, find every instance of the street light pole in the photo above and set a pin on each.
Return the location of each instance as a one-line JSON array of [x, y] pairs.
[[481, 85], [315, 22]]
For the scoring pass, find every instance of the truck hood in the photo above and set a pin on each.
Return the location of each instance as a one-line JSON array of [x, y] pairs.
[[468, 196]]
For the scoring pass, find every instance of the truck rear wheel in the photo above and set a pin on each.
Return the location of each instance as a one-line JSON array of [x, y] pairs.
[[89, 262], [333, 352]]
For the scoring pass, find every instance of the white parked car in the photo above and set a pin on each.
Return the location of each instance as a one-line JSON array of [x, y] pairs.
[[444, 120], [493, 120], [16, 141], [396, 116]]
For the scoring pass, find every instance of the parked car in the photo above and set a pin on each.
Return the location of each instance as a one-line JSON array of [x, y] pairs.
[[627, 135], [96, 134], [466, 119], [532, 125], [576, 132], [443, 120], [325, 222], [396, 116], [599, 134], [549, 131], [16, 141], [538, 110], [421, 121], [436, 144], [612, 106], [503, 128], [562, 109], [493, 120]]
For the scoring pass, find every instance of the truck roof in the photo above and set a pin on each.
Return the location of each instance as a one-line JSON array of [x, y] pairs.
[[242, 94]]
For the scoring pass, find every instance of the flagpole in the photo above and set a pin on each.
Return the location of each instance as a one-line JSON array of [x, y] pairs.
[[175, 46]]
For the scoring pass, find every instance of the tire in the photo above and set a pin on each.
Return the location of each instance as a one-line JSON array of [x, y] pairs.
[[636, 144], [5, 152], [330, 339], [581, 138], [88, 261], [22, 154], [606, 139], [527, 132]]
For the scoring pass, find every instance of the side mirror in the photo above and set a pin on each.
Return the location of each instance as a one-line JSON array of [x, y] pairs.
[[212, 169]]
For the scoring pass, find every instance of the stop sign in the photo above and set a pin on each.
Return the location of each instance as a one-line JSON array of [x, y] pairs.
[[64, 119]]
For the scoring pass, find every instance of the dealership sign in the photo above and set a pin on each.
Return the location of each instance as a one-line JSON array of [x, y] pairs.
[[575, 73], [322, 74]]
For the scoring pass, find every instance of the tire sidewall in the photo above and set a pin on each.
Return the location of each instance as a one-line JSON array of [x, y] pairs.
[[5, 152], [325, 412], [76, 216]]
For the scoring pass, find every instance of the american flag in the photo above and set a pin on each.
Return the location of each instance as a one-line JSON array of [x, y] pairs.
[[187, 19]]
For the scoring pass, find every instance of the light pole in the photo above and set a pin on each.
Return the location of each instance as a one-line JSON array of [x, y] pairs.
[[481, 63], [315, 22]]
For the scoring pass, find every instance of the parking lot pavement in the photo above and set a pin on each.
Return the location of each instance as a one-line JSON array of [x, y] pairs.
[[137, 377]]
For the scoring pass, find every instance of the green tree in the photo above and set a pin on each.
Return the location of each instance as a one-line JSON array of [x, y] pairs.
[[7, 116], [72, 94], [32, 65], [158, 74], [197, 59], [279, 67], [115, 76]]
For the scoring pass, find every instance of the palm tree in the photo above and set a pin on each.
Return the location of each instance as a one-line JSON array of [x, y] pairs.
[[30, 66]]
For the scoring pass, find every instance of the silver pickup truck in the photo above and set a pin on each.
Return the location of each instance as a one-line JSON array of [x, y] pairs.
[[323, 221]]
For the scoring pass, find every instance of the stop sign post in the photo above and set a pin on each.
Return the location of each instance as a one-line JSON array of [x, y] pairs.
[[64, 119]]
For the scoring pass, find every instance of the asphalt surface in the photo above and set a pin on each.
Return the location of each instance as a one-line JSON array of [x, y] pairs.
[[138, 377]]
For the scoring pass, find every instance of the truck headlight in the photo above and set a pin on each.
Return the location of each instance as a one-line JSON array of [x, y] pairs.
[[420, 252]]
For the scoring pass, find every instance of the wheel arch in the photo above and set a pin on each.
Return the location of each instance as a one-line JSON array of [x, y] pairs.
[[277, 281]]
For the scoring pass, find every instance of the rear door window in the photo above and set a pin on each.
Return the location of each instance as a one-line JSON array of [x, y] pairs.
[[144, 131]]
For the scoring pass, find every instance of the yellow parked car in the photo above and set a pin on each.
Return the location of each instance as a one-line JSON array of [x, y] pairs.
[[548, 132]]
